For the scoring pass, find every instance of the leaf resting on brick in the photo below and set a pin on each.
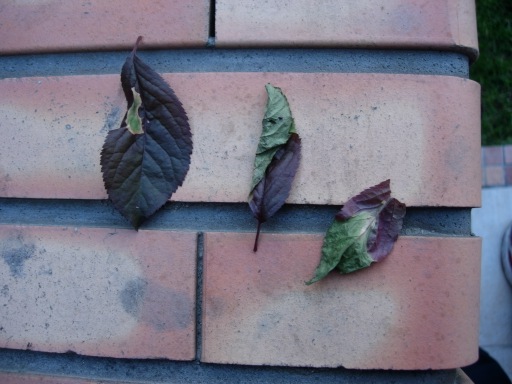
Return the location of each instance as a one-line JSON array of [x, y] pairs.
[[145, 160], [277, 159], [364, 232]]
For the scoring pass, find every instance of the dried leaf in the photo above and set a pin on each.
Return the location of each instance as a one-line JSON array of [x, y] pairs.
[[277, 159], [364, 232], [147, 158]]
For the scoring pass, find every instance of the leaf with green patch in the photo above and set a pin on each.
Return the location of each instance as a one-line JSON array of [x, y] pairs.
[[278, 125], [364, 232], [277, 159], [145, 160]]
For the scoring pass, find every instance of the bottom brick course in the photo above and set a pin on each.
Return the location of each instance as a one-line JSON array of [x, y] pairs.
[[98, 291], [418, 309]]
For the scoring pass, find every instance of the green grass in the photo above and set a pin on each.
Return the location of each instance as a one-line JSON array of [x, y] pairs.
[[493, 69]]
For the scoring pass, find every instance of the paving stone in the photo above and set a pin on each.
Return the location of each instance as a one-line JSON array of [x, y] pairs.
[[493, 155], [494, 175], [508, 174], [507, 149]]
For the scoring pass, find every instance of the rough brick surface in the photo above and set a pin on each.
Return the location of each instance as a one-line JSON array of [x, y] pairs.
[[418, 309], [422, 132], [442, 24], [102, 292], [62, 25]]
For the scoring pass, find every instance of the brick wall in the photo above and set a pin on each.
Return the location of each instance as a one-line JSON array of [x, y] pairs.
[[378, 89]]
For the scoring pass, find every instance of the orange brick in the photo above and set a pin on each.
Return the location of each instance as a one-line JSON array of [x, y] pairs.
[[61, 25], [98, 291], [438, 24], [422, 132], [417, 309], [25, 378]]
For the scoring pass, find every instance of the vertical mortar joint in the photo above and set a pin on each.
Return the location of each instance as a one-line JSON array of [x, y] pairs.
[[211, 26], [199, 294]]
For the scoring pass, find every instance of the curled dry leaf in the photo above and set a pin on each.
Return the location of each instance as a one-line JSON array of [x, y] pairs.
[[277, 159], [364, 232], [145, 160]]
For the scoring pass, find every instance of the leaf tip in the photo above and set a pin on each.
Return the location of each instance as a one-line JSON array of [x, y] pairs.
[[136, 46], [136, 221]]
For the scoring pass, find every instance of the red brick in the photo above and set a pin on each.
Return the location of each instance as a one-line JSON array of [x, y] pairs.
[[440, 24], [422, 132], [417, 309], [26, 378], [61, 25], [98, 291]]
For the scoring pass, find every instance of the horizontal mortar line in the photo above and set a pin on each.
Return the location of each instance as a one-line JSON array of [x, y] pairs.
[[242, 60], [160, 371], [216, 217]]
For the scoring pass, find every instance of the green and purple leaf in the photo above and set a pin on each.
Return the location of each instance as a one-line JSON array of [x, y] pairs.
[[364, 232], [278, 125], [145, 160], [277, 159]]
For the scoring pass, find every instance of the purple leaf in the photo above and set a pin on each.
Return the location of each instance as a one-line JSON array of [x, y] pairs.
[[368, 199], [272, 191], [147, 158], [389, 224]]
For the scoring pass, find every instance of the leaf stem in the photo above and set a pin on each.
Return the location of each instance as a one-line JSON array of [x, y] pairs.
[[255, 249]]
